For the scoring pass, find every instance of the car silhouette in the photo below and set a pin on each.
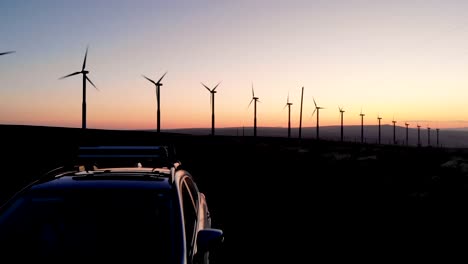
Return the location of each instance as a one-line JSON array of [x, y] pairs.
[[115, 203]]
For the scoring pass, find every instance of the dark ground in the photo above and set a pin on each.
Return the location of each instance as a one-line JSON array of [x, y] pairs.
[[280, 199]]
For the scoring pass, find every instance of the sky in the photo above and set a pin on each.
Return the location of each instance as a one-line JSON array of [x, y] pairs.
[[401, 60]]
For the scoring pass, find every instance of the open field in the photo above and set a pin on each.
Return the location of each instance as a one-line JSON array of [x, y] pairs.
[[286, 199]]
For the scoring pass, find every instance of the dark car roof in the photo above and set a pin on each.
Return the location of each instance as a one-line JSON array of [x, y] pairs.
[[121, 178]]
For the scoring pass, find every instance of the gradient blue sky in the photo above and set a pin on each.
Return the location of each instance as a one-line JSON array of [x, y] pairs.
[[406, 60]]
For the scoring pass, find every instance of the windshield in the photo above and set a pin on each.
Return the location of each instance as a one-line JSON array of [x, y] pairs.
[[110, 223]]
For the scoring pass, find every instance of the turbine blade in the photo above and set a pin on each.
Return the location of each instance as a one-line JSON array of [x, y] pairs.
[[84, 62], [250, 103], [285, 106], [206, 87], [258, 101], [313, 112], [253, 94], [71, 74], [162, 77], [7, 52], [91, 83], [148, 79], [314, 102], [216, 86]]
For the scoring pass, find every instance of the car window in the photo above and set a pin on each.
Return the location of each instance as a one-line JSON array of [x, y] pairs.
[[193, 190], [190, 215], [108, 223]]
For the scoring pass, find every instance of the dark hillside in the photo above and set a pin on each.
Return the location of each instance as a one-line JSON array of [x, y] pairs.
[[282, 194]]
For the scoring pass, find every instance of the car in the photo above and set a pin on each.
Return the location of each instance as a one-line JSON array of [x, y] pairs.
[[111, 203]]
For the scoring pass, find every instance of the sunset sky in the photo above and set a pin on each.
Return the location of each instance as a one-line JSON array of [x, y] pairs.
[[406, 60]]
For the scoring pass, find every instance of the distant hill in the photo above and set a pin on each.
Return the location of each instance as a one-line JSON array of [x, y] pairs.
[[452, 138]]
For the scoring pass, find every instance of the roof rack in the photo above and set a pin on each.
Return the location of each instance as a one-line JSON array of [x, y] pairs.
[[127, 156]]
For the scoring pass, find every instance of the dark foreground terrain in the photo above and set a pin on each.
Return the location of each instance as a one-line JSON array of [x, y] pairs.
[[289, 200]]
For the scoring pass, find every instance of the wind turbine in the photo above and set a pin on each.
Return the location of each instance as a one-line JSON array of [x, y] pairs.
[[317, 108], [362, 126], [300, 114], [6, 52], [428, 136], [85, 77], [158, 101], [394, 136], [407, 142], [212, 102], [288, 104], [341, 114], [379, 118], [255, 100], [419, 135]]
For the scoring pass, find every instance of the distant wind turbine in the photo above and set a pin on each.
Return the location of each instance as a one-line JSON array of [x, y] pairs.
[[362, 126], [419, 135], [158, 100], [85, 77], [212, 102], [380, 119], [300, 114], [407, 142], [341, 114], [288, 104], [394, 130], [6, 52], [317, 108], [428, 136], [437, 134], [255, 100]]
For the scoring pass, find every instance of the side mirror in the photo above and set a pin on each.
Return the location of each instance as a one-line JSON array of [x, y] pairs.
[[208, 239]]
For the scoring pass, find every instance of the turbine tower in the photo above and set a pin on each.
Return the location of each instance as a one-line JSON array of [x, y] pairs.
[[212, 102], [6, 52], [158, 85], [379, 119], [428, 136], [341, 114], [255, 100], [288, 104], [300, 114], [437, 134], [407, 142], [419, 135], [85, 78], [394, 135], [362, 126], [317, 108]]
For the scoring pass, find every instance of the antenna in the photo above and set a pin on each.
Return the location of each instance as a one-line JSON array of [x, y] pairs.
[[300, 114]]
